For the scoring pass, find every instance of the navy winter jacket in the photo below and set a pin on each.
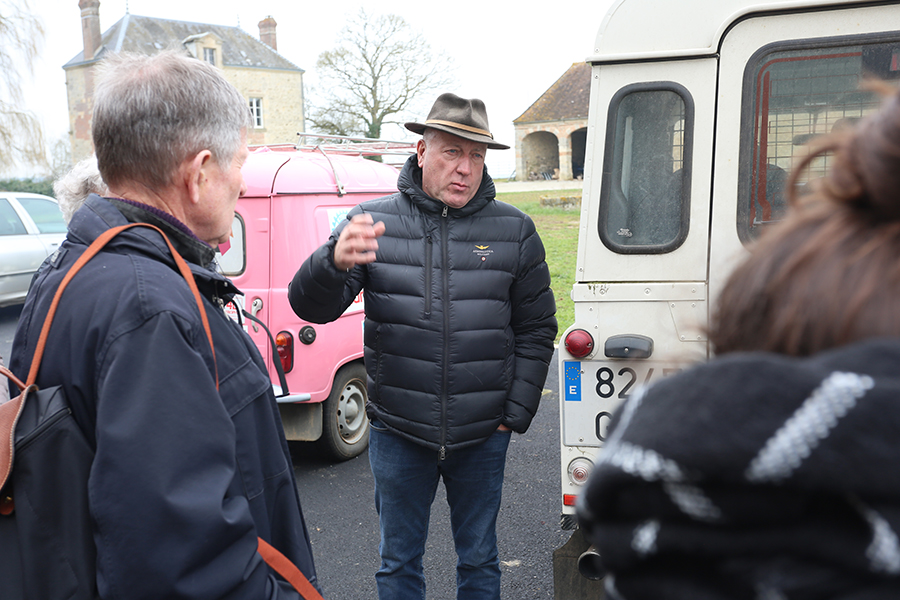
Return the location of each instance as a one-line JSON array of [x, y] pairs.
[[185, 477], [460, 318]]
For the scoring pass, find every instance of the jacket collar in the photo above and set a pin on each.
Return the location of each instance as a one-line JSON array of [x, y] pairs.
[[99, 214], [191, 248], [410, 183]]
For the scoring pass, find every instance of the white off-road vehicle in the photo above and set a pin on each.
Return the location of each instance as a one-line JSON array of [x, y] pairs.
[[697, 112]]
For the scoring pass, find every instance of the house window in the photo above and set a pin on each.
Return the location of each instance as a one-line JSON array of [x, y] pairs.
[[256, 113], [209, 55]]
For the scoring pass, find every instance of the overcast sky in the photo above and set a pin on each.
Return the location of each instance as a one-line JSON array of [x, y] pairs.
[[506, 53]]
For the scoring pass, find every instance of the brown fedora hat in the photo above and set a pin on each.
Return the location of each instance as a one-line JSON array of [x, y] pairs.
[[459, 116]]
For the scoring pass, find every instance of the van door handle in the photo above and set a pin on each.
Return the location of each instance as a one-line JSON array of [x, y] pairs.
[[628, 346], [255, 307]]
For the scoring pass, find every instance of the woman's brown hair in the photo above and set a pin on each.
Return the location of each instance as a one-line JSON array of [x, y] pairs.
[[829, 273]]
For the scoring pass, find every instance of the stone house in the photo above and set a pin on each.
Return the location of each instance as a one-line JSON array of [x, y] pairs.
[[272, 85], [551, 134]]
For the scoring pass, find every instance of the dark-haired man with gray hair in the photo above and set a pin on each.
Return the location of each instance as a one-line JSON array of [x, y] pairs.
[[191, 464]]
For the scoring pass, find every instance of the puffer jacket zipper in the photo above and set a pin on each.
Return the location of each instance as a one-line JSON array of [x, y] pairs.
[[445, 289], [429, 268], [377, 358]]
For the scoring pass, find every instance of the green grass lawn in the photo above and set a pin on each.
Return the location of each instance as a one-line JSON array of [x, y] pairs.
[[558, 229]]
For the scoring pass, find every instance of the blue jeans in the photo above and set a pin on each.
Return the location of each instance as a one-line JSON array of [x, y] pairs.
[[406, 479]]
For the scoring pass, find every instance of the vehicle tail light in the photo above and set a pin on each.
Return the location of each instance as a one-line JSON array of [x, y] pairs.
[[579, 343], [569, 499], [284, 344]]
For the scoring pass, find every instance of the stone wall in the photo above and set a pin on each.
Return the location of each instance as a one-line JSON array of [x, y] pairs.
[[282, 96], [281, 91], [80, 92]]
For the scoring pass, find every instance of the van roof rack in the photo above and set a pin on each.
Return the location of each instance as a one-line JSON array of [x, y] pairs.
[[342, 144], [326, 145]]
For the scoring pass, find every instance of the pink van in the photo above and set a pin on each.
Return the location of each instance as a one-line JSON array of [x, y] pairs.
[[294, 199]]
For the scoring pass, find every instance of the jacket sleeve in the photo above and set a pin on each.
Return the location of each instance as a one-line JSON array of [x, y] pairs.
[[166, 524], [319, 292], [534, 326]]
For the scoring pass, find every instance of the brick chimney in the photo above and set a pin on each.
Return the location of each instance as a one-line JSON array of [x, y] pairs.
[[267, 32], [90, 26]]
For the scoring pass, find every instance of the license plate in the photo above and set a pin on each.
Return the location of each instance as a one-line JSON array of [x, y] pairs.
[[233, 308], [592, 390]]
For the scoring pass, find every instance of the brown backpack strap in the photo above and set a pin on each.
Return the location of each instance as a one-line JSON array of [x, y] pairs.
[[9, 375], [10, 411], [288, 570]]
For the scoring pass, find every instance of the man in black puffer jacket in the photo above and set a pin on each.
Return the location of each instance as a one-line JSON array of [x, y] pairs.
[[459, 333]]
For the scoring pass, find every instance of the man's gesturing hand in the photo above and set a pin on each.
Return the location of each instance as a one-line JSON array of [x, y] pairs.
[[358, 242]]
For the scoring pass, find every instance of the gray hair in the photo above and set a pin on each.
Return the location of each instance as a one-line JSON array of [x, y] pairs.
[[73, 188], [153, 112]]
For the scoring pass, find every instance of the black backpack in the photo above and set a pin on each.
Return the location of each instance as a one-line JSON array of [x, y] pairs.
[[46, 543]]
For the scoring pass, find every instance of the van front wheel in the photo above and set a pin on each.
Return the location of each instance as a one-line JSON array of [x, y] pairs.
[[345, 427]]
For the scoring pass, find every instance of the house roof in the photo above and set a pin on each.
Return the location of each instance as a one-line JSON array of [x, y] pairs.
[[148, 35], [566, 99]]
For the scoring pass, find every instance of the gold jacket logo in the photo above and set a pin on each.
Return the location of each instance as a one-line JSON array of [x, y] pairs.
[[482, 251]]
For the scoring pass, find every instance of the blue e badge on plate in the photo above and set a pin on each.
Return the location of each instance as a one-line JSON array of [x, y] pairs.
[[572, 374]]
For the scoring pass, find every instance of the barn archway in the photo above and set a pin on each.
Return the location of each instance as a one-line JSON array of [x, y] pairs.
[[541, 155], [578, 140]]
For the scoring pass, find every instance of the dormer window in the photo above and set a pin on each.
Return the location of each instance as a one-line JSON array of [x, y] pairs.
[[209, 55]]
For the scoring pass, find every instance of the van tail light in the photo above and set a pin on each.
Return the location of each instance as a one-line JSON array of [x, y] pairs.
[[284, 344], [579, 343]]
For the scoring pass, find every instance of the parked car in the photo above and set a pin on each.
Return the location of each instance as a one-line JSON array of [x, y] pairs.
[[295, 196], [31, 228]]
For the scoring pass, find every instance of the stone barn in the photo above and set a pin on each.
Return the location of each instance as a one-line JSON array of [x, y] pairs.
[[551, 134]]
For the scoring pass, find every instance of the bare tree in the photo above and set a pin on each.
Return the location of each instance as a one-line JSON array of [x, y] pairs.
[[60, 157], [376, 73], [21, 35]]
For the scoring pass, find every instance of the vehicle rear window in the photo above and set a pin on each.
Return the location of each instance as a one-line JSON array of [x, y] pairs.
[[45, 214], [645, 193], [792, 93]]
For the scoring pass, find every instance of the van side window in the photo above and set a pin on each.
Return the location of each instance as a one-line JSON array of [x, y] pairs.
[[234, 261], [793, 92], [645, 192]]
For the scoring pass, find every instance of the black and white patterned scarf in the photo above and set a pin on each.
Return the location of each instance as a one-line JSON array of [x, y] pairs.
[[755, 476]]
